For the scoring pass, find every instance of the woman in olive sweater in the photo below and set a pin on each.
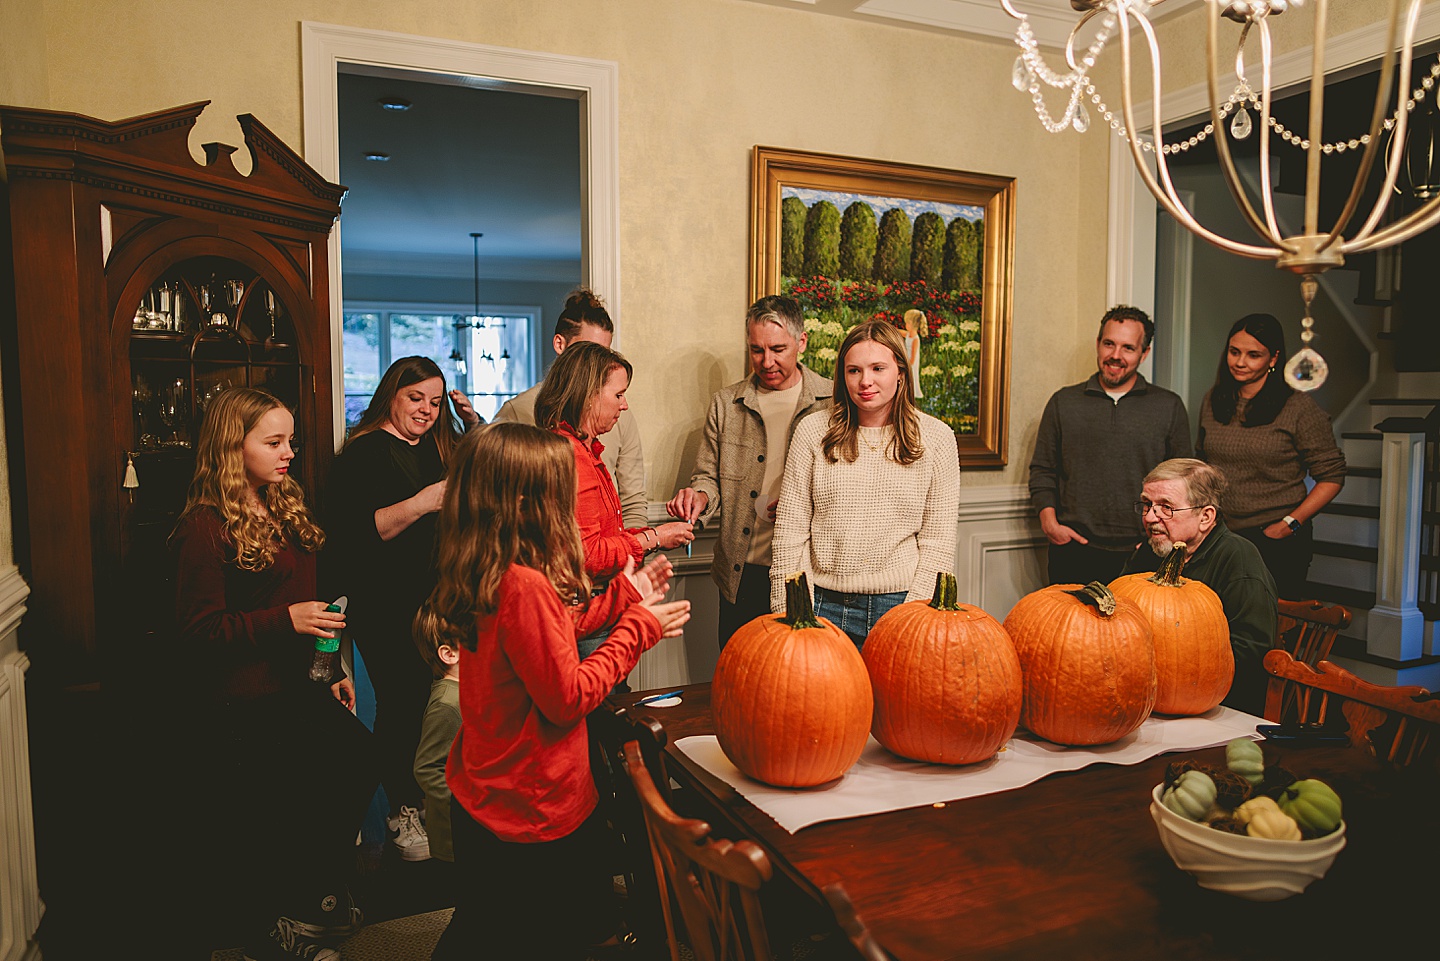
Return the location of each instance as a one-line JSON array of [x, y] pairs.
[[1267, 438]]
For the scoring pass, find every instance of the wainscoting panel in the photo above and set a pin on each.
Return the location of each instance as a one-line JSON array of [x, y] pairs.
[[20, 905], [999, 558]]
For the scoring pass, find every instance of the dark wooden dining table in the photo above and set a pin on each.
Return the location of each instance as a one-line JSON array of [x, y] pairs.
[[1071, 866]]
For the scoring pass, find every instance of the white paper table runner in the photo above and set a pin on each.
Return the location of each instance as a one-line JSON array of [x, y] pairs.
[[881, 782]]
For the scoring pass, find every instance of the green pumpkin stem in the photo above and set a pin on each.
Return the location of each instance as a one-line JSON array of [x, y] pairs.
[[1098, 596], [1169, 573], [947, 593], [799, 608]]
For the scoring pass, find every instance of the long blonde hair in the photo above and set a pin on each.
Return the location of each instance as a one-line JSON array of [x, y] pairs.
[[574, 381], [509, 499], [219, 483], [840, 439]]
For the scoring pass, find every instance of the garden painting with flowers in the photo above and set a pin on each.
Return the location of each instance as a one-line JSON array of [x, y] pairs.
[[927, 249], [849, 257]]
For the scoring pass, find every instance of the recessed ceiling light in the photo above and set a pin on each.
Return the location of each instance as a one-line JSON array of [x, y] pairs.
[[378, 157], [394, 103]]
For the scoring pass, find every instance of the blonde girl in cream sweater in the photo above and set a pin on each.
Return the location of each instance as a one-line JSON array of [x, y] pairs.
[[871, 493]]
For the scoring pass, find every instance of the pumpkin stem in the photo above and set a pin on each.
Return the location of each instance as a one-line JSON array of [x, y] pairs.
[[1098, 596], [1169, 573], [799, 608], [947, 592]]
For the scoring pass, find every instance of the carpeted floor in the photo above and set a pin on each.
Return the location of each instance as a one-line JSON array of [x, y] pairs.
[[399, 939], [413, 938]]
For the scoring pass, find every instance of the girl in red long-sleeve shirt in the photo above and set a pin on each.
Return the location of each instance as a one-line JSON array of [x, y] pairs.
[[513, 594]]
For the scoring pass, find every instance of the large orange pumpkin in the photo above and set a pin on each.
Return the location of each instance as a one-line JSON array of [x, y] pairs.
[[1194, 664], [1088, 663], [791, 698], [946, 680]]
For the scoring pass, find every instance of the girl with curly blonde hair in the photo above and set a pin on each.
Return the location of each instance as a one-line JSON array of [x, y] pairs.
[[247, 615]]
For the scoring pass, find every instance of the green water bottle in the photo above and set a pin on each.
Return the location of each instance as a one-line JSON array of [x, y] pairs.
[[326, 647]]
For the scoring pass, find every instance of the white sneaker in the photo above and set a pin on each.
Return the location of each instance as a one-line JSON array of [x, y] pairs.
[[413, 842]]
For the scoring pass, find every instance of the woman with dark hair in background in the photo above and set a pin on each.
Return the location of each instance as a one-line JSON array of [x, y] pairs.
[[1267, 437], [384, 490]]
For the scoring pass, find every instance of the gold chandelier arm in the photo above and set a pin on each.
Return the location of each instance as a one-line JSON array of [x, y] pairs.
[[1316, 131], [1393, 158], [1387, 75], [1222, 144], [1267, 195], [1416, 223], [1166, 196]]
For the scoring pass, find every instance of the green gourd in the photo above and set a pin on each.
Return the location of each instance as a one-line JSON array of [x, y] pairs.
[[1313, 805], [1191, 796], [1244, 757], [1263, 818]]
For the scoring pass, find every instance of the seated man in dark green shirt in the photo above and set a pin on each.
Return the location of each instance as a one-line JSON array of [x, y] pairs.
[[1179, 503]]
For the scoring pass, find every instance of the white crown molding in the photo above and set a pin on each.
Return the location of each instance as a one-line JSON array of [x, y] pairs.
[[1343, 52]]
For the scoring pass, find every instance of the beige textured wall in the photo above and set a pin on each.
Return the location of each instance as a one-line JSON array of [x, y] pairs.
[[702, 82]]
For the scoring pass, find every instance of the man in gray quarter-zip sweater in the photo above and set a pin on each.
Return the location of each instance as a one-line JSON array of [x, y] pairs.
[[1096, 443]]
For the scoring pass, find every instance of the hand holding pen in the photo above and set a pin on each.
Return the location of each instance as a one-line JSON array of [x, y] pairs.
[[687, 505]]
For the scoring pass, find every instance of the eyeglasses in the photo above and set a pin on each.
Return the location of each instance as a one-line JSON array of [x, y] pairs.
[[1164, 510]]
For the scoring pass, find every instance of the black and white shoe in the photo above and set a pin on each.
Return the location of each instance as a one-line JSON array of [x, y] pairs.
[[337, 919], [287, 943]]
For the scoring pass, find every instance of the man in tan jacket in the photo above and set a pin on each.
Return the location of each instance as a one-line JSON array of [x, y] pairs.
[[742, 457]]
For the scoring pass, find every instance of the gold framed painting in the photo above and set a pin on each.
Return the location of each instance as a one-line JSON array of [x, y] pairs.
[[928, 249]]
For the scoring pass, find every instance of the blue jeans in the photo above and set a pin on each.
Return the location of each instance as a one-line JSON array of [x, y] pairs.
[[855, 614], [589, 644]]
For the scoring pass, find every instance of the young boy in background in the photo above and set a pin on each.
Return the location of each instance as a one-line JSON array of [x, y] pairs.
[[437, 733]]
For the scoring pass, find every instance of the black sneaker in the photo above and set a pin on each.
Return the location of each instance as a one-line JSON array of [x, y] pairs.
[[338, 919], [287, 943]]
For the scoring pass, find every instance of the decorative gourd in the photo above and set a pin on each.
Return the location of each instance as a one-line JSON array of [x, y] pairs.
[[946, 680], [1087, 663], [791, 698], [1244, 757], [1313, 805], [1191, 796], [1194, 664], [1263, 819]]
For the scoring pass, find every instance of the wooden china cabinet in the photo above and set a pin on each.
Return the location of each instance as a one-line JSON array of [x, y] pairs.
[[145, 283]]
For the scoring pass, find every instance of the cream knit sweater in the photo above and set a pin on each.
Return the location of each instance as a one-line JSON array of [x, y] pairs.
[[871, 527]]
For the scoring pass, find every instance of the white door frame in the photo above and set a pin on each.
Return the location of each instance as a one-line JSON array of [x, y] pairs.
[[595, 83]]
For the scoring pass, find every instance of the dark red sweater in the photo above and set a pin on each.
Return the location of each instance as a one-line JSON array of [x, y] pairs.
[[521, 763], [241, 619]]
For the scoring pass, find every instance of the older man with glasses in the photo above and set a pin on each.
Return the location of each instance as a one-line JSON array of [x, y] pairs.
[[1179, 504]]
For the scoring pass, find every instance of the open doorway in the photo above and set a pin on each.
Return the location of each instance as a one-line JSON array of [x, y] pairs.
[[430, 163], [330, 52]]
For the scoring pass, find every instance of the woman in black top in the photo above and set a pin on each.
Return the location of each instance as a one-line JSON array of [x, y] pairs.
[[385, 488]]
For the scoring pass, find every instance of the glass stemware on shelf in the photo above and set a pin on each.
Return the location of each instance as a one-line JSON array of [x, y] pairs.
[[173, 413]]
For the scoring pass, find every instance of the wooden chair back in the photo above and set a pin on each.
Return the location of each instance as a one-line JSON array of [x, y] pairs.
[[860, 938], [611, 728], [712, 884], [1307, 630], [1396, 724]]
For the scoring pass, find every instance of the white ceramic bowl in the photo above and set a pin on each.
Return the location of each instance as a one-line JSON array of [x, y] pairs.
[[1258, 869]]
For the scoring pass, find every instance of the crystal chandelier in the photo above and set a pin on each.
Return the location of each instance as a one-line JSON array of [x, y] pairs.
[[1315, 249]]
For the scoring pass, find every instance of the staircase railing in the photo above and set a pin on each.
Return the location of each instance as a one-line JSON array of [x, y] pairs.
[[1428, 598]]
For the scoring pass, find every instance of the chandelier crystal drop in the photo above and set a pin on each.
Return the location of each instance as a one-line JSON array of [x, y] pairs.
[[1315, 248]]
